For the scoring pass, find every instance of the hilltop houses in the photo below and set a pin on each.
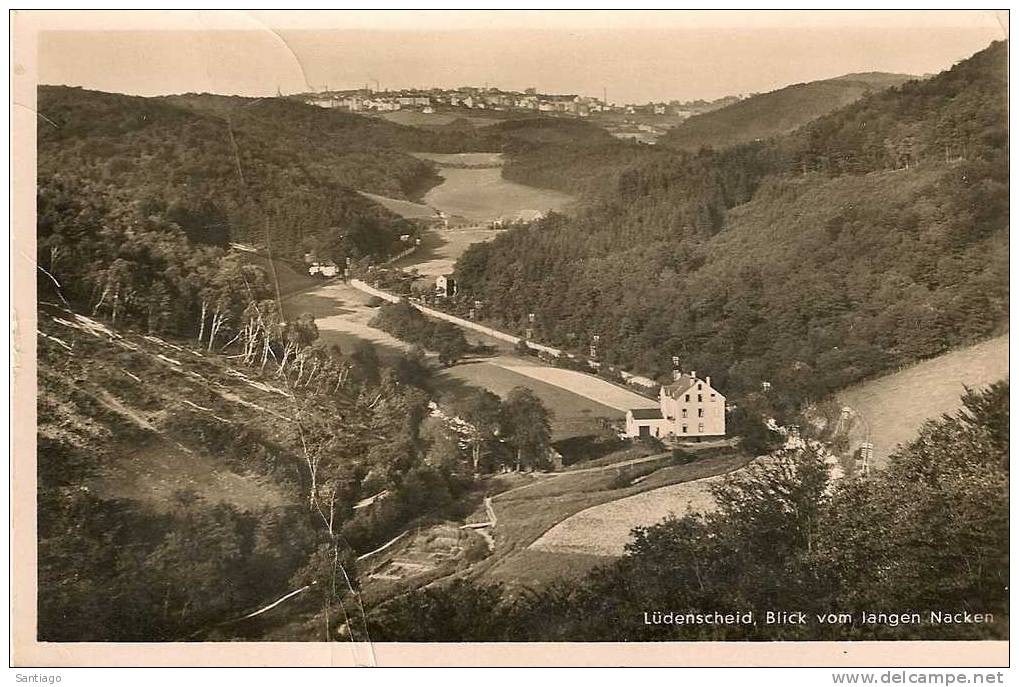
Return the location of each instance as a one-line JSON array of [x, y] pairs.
[[432, 100], [688, 407]]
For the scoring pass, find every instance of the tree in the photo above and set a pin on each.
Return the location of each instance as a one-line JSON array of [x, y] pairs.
[[412, 368], [449, 342], [483, 410], [528, 427], [459, 612], [941, 507], [366, 362], [329, 575]]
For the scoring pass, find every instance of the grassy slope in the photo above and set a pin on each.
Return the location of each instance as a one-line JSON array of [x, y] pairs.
[[891, 418], [153, 427], [769, 114], [528, 511]]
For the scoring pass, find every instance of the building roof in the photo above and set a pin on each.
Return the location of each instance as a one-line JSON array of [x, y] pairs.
[[680, 386], [646, 413]]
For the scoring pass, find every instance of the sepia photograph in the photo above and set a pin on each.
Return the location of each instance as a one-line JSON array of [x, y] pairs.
[[510, 337]]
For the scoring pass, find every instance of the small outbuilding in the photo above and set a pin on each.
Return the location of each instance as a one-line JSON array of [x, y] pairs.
[[645, 423]]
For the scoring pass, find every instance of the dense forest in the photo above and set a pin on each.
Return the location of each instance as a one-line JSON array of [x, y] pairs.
[[872, 237], [586, 168], [569, 155], [220, 181], [782, 537], [764, 115]]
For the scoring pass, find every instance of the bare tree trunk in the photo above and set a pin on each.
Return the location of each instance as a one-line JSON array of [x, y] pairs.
[[102, 298], [217, 322], [201, 326]]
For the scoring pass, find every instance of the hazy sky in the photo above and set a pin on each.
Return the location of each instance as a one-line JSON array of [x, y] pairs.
[[636, 56]]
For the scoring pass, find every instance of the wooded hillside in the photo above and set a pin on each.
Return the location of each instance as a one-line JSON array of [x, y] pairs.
[[764, 115], [223, 177], [851, 246]]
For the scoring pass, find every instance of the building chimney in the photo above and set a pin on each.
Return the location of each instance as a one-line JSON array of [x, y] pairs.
[[693, 373], [676, 374], [707, 380]]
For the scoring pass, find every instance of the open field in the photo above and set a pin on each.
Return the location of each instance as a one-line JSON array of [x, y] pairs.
[[528, 512], [573, 414], [605, 530], [440, 249], [482, 195], [404, 208], [894, 406], [585, 385], [418, 118], [342, 315], [458, 159]]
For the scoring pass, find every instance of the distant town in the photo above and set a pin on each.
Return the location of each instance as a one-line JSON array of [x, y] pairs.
[[640, 121]]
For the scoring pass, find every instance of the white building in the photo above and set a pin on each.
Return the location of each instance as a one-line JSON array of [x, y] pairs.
[[445, 286], [327, 268], [688, 407], [414, 100]]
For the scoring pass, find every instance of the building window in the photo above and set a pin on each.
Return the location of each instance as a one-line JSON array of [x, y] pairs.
[[700, 428], [688, 398], [700, 398], [712, 397], [684, 413], [699, 387], [700, 412], [684, 429]]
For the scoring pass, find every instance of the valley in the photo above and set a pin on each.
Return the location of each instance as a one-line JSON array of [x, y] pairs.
[[238, 438], [473, 195]]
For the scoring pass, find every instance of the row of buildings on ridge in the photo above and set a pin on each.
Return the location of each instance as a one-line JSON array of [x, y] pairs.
[[473, 98]]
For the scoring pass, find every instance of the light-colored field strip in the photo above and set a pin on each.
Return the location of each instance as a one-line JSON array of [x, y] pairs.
[[404, 208], [604, 530], [451, 245], [896, 405], [584, 385], [494, 159]]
